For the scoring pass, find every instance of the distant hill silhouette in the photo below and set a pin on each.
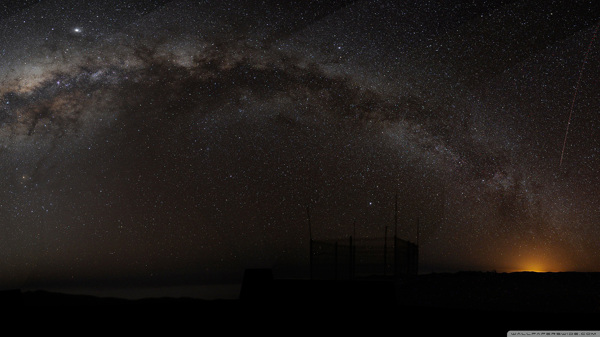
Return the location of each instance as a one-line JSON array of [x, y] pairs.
[[487, 291], [522, 291], [483, 303]]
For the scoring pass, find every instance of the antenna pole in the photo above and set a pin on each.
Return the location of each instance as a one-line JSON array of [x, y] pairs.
[[353, 251], [395, 234], [417, 249], [418, 225], [396, 216], [310, 241], [385, 252], [351, 269]]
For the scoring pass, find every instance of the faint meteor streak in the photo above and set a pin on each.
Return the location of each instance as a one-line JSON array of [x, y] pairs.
[[562, 153]]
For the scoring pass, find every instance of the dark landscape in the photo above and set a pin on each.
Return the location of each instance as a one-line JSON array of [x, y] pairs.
[[487, 302], [562, 292]]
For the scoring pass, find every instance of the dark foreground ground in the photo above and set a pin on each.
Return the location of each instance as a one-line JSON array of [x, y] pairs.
[[468, 303]]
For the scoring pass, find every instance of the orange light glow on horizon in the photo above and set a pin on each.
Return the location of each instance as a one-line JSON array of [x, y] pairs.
[[538, 264]]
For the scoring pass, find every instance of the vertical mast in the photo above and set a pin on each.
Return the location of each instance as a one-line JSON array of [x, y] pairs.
[[418, 224], [385, 252], [396, 216], [395, 234], [310, 242], [353, 251]]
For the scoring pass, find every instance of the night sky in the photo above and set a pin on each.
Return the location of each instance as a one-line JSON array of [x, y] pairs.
[[179, 142]]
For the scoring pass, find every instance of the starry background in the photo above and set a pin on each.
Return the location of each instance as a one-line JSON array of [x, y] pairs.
[[148, 143]]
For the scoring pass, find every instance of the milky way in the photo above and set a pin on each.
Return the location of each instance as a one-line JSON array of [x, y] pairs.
[[159, 142]]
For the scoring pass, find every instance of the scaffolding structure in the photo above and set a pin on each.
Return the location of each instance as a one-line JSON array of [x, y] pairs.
[[364, 257]]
